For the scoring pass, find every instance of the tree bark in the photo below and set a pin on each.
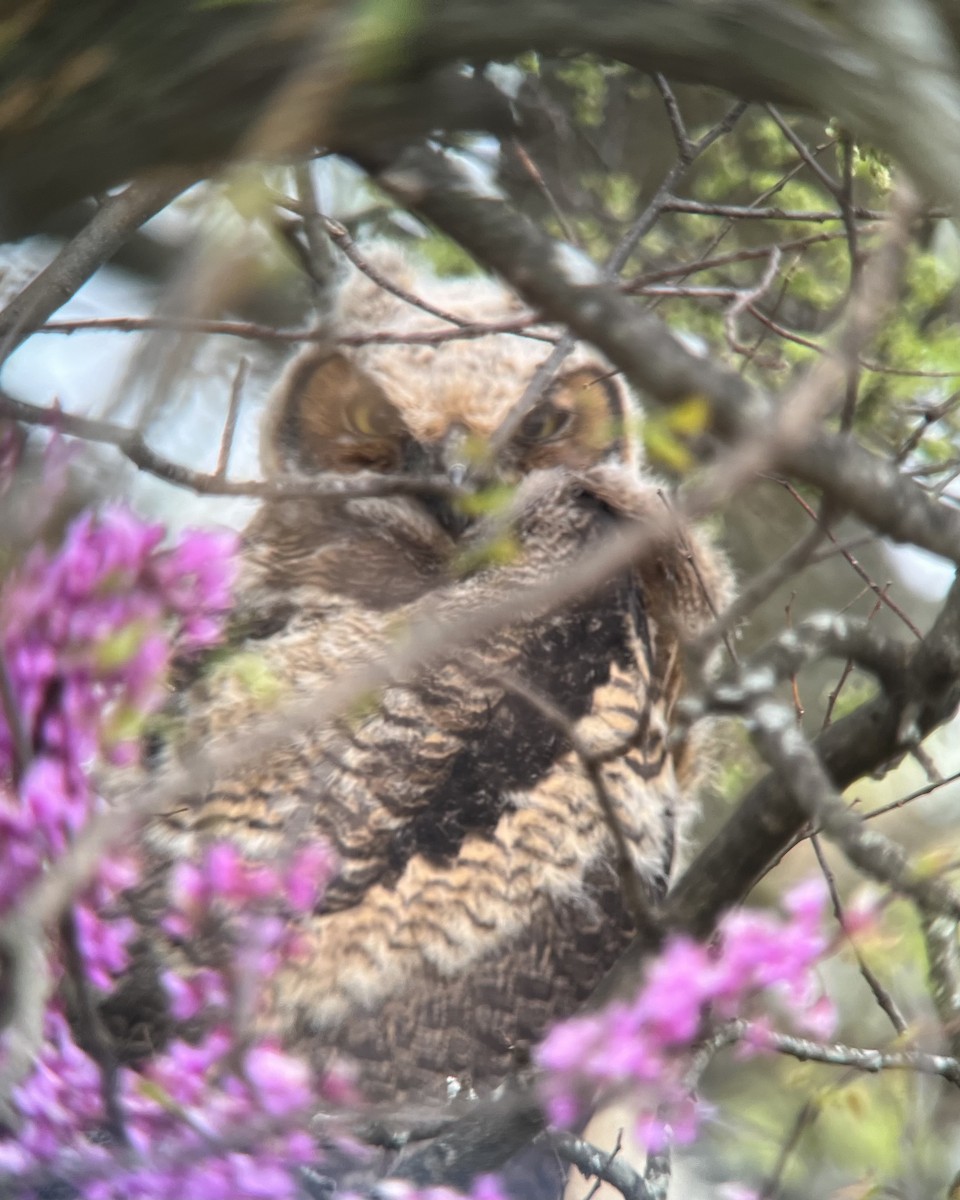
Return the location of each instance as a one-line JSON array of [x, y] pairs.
[[96, 92]]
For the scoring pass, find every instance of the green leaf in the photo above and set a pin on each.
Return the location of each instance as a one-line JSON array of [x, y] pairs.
[[118, 648]]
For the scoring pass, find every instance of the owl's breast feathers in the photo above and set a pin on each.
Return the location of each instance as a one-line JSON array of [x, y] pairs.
[[476, 898]]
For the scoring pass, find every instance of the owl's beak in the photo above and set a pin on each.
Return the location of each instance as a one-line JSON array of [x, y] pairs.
[[454, 455], [450, 457]]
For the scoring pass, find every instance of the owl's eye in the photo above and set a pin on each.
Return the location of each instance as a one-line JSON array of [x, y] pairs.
[[365, 418], [545, 423]]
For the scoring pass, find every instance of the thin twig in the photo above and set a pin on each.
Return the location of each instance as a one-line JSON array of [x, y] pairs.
[[10, 707], [845, 197], [92, 1033], [230, 423], [741, 212], [674, 116], [747, 297], [713, 261], [252, 331], [131, 444], [788, 752], [806, 1115], [339, 235], [835, 691], [534, 172], [869, 1060], [877, 590], [757, 591], [613, 267], [318, 257], [904, 800], [880, 993], [808, 156]]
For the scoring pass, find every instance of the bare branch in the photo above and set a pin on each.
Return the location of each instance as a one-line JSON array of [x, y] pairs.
[[774, 731], [601, 1164], [871, 1061], [252, 331], [109, 228], [655, 361], [940, 935], [131, 444]]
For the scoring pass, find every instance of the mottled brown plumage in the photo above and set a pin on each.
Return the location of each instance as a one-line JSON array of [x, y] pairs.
[[477, 897]]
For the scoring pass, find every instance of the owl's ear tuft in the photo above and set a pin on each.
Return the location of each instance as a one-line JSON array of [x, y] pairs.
[[324, 400]]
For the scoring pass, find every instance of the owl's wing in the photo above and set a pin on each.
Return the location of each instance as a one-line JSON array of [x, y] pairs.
[[493, 820], [474, 1028]]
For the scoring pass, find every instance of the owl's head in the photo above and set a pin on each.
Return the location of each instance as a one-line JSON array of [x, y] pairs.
[[331, 414], [385, 401]]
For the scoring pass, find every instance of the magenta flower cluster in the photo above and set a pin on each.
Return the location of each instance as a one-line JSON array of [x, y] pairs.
[[86, 634], [191, 1116], [642, 1047], [189, 1121], [255, 908]]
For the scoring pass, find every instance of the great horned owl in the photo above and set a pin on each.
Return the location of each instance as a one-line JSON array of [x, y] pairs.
[[478, 896]]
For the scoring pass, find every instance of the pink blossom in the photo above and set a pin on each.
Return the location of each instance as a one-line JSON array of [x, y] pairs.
[[282, 1083], [87, 633], [643, 1045]]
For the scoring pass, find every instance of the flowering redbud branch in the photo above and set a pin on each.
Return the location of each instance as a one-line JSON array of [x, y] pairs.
[[19, 970], [91, 1033], [251, 1131]]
